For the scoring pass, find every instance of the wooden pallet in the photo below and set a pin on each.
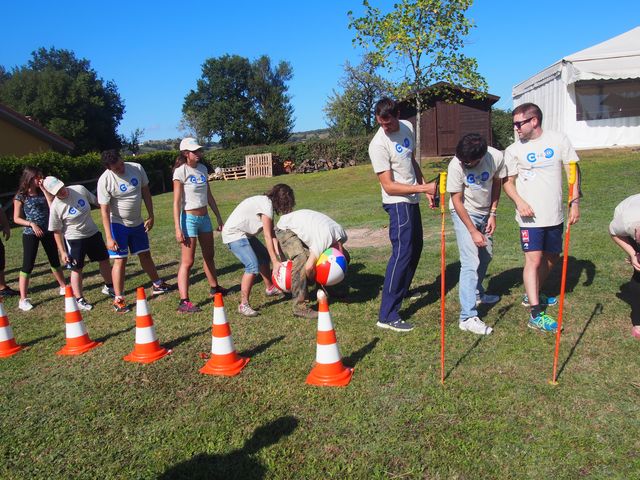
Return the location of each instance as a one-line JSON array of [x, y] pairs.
[[234, 173]]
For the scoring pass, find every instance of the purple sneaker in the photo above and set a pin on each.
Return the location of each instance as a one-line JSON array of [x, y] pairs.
[[187, 307]]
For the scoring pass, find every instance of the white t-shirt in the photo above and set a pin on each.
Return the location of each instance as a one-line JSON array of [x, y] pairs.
[[316, 230], [245, 220], [539, 166], [476, 182], [123, 193], [395, 152], [72, 215], [195, 184], [626, 217]]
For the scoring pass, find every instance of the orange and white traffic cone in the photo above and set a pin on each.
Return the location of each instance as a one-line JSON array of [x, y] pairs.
[[78, 341], [328, 370], [8, 345], [147, 349], [224, 359]]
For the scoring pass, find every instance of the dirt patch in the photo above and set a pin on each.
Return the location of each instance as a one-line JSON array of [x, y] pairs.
[[367, 237]]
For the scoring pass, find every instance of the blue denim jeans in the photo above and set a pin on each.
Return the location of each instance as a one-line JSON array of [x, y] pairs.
[[251, 252], [473, 262]]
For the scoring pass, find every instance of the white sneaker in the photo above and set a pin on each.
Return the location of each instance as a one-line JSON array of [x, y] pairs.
[[246, 310], [83, 304], [108, 291], [475, 325], [487, 299], [63, 291], [25, 304]]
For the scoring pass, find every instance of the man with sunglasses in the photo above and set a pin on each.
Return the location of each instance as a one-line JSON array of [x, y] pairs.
[[474, 181], [534, 167]]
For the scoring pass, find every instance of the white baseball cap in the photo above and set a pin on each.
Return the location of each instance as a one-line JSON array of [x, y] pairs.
[[189, 144], [52, 185]]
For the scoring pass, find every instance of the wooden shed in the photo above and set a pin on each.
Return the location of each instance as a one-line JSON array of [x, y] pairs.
[[444, 122]]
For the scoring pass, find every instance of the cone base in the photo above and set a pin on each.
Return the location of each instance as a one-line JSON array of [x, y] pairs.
[[11, 351], [67, 350], [146, 357], [228, 370], [340, 379]]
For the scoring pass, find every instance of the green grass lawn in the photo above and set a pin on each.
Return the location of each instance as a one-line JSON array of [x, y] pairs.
[[96, 416]]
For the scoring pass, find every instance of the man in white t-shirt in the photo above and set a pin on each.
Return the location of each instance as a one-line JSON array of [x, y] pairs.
[[303, 236], [474, 182], [392, 156], [121, 189], [625, 232], [534, 167]]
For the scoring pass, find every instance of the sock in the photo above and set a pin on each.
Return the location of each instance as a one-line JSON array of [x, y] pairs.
[[109, 285], [535, 310]]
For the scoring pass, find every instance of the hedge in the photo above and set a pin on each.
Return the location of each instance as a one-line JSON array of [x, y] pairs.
[[159, 164]]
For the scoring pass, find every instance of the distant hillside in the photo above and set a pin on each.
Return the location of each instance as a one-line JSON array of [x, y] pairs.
[[309, 134]]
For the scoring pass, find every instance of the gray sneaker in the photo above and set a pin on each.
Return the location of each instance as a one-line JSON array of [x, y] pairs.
[[396, 326], [83, 304], [475, 325], [246, 310], [487, 299]]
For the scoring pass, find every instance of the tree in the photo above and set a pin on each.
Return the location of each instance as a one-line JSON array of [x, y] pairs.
[[351, 112], [502, 128], [65, 95], [241, 102], [132, 141], [425, 38]]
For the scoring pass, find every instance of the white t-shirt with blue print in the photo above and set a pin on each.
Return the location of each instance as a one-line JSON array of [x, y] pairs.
[[195, 183], [123, 193], [538, 165], [72, 215]]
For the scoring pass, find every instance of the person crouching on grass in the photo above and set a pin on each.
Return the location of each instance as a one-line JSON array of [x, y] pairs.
[[474, 181], [625, 232], [252, 216], [191, 195], [303, 236], [70, 216]]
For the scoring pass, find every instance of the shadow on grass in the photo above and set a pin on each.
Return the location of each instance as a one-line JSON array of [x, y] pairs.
[[501, 314], [114, 334], [353, 359], [502, 283], [597, 310], [35, 341], [219, 271], [630, 293], [180, 340], [431, 292], [364, 286], [240, 463], [257, 350], [575, 269]]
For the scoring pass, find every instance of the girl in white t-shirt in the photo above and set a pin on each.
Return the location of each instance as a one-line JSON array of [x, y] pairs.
[[252, 216], [191, 196]]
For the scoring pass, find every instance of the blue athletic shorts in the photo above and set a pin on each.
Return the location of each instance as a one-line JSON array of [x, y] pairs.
[[251, 253], [129, 239], [193, 225], [546, 239]]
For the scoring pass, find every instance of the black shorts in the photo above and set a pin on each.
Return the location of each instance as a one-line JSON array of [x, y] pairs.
[[92, 246], [2, 260]]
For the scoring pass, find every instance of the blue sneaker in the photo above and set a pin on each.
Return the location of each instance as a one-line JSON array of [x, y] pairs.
[[397, 326], [543, 322], [544, 300]]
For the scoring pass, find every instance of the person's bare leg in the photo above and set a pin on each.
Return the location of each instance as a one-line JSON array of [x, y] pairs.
[[206, 245], [117, 274], [531, 275], [146, 262], [76, 283], [187, 254]]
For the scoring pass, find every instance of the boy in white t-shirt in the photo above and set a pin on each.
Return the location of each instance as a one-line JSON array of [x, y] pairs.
[[625, 232], [303, 236], [474, 181], [534, 168]]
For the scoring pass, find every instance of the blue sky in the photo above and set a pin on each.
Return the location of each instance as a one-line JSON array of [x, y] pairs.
[[154, 50]]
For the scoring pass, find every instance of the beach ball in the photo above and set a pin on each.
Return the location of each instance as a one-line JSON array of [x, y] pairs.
[[331, 267], [282, 280]]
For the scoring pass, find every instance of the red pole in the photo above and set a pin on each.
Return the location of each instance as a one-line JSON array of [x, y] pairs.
[[563, 282], [443, 189]]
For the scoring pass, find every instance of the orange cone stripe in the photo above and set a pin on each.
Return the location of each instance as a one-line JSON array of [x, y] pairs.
[[226, 359], [327, 338], [144, 321], [323, 305], [6, 333], [7, 344], [221, 330], [140, 295], [217, 300], [78, 341], [4, 321], [222, 346]]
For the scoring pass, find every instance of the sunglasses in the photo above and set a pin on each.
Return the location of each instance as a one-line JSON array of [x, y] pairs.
[[519, 125]]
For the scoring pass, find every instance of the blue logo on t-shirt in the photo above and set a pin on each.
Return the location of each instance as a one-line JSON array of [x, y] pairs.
[[531, 157], [398, 148], [471, 178], [406, 143], [484, 176], [81, 203], [134, 182], [193, 179], [548, 152], [72, 211], [123, 187], [202, 179]]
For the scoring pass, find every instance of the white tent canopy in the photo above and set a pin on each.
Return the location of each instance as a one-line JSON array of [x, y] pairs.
[[554, 90]]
